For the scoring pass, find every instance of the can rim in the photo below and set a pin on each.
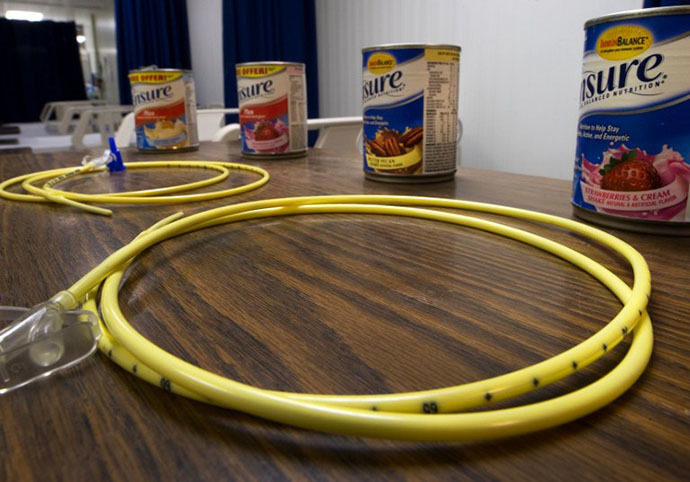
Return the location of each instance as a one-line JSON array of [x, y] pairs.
[[272, 62], [153, 68], [411, 46], [644, 12]]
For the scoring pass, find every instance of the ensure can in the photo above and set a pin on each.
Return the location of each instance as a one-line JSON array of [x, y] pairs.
[[272, 100], [633, 141], [164, 109], [410, 112]]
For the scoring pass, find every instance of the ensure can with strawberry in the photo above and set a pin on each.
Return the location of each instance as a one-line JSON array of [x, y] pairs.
[[410, 112], [272, 100], [632, 166]]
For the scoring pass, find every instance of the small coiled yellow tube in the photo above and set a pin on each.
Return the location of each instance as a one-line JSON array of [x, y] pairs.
[[165, 195]]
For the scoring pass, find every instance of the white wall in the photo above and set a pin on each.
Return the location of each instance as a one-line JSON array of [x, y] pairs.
[[206, 44], [105, 30], [519, 69]]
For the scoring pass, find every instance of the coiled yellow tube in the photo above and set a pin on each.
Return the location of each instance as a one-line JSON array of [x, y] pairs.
[[401, 415], [48, 193]]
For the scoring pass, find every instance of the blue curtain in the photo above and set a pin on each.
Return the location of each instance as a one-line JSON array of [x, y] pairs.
[[664, 3], [40, 63], [265, 30], [150, 32]]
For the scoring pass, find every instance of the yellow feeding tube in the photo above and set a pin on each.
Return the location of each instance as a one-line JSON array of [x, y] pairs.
[[428, 415], [166, 195]]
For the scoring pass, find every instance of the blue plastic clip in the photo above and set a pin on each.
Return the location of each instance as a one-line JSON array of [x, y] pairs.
[[116, 163]]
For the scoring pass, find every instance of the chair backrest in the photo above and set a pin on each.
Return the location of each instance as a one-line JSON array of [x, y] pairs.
[[228, 133], [336, 132], [339, 137], [125, 132], [61, 107], [208, 121], [107, 119], [47, 111], [208, 124]]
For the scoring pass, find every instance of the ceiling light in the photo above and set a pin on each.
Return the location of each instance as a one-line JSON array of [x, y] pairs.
[[81, 39], [24, 15]]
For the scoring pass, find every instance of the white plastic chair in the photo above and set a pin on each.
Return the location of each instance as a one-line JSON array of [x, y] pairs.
[[336, 132], [125, 133], [107, 118], [64, 113], [208, 121], [228, 133], [58, 107]]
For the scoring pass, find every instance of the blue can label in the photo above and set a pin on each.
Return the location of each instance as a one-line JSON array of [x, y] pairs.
[[633, 137], [410, 108]]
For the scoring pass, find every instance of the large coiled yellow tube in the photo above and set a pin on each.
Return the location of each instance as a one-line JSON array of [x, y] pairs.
[[404, 416]]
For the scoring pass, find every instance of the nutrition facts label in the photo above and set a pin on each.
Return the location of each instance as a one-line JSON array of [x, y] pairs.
[[441, 111], [190, 109], [297, 110]]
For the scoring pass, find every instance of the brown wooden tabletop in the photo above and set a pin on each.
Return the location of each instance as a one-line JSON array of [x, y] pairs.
[[334, 304]]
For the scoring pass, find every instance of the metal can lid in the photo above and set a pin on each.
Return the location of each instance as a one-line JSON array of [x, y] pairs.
[[154, 68], [645, 12], [411, 46], [272, 62]]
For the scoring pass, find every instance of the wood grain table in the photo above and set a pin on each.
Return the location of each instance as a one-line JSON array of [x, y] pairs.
[[335, 304]]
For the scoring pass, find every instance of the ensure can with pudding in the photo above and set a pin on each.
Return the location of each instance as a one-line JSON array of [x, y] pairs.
[[410, 112], [164, 109], [272, 100], [633, 141]]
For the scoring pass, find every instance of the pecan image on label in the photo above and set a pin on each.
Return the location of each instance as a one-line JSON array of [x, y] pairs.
[[382, 135], [376, 148], [391, 143], [412, 137], [393, 147]]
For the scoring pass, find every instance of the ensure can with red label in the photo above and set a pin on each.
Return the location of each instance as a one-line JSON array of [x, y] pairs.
[[164, 109], [410, 112], [272, 100], [632, 166]]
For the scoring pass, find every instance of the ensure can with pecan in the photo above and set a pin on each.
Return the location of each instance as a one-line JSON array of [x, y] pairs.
[[410, 112], [632, 165], [272, 99], [164, 109]]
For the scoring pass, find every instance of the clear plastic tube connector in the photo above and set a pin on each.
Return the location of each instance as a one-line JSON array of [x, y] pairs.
[[42, 340]]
